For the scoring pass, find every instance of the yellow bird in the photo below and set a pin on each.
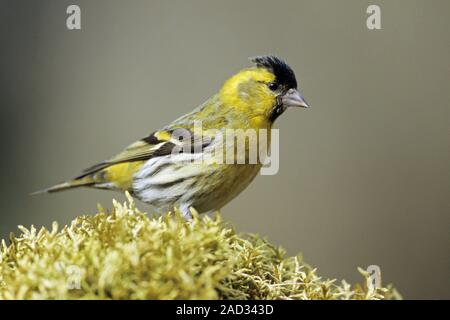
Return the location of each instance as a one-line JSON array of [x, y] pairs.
[[151, 171]]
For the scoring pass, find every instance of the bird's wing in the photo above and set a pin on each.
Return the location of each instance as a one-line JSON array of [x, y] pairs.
[[159, 143]]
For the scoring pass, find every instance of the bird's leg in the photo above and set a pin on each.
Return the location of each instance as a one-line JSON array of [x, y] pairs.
[[186, 212]]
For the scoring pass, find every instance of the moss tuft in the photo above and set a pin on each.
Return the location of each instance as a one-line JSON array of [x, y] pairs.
[[127, 255]]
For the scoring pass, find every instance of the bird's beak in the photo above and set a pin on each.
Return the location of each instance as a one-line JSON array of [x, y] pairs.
[[292, 98]]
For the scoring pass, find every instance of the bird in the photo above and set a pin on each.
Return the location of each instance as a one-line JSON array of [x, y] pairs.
[[150, 170]]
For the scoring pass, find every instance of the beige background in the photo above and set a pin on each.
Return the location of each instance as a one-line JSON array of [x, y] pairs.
[[364, 176]]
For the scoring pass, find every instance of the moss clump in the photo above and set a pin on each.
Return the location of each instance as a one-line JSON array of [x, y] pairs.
[[127, 255]]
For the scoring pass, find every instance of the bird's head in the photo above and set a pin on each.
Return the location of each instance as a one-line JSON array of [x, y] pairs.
[[263, 91]]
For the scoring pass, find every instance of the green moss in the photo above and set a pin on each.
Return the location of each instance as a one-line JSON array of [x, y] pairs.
[[127, 255]]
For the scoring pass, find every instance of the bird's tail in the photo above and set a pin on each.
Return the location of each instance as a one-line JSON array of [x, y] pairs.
[[76, 183]]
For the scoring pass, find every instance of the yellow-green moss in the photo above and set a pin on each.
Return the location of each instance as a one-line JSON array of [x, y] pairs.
[[127, 255]]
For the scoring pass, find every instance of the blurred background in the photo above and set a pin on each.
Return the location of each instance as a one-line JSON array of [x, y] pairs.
[[364, 174]]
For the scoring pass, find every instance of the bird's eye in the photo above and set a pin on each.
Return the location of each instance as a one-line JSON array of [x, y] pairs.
[[273, 86]]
